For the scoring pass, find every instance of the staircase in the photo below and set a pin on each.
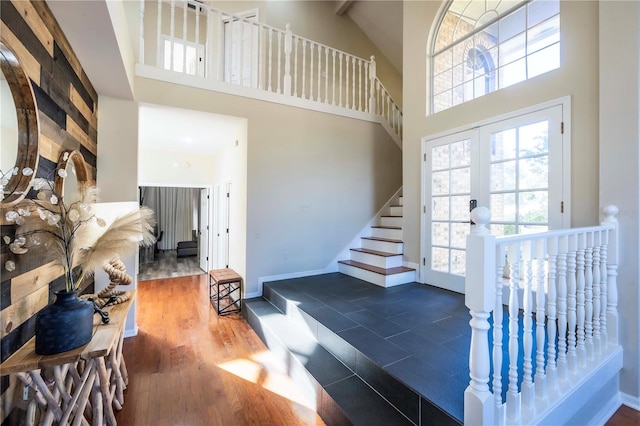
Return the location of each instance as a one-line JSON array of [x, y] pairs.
[[379, 259]]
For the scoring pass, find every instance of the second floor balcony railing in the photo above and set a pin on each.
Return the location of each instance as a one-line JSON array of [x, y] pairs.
[[188, 37]]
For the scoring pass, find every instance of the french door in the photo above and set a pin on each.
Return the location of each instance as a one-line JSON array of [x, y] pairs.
[[516, 167]]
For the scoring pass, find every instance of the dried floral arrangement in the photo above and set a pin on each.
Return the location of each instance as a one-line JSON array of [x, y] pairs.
[[70, 230]]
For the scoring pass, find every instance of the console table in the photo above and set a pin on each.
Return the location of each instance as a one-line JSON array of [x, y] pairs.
[[82, 386]]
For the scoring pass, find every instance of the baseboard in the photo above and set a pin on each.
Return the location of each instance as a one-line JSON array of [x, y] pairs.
[[131, 332], [607, 410], [262, 280], [413, 266], [630, 401]]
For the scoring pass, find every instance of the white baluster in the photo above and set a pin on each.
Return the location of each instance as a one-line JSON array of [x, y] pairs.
[[326, 75], [319, 72], [184, 36], [295, 70], [287, 60], [279, 74], [372, 82], [604, 335], [580, 299], [513, 396], [571, 304], [360, 84], [366, 86], [498, 317], [304, 68], [269, 76], [141, 35], [479, 298], [311, 47], [563, 247], [261, 55], [597, 243], [333, 79], [222, 60], [612, 274], [527, 322], [353, 83], [552, 370], [346, 87], [340, 81], [159, 41], [540, 377], [588, 296]]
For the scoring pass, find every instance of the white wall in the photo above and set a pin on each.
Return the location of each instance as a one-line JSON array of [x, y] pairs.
[[620, 166], [117, 179]]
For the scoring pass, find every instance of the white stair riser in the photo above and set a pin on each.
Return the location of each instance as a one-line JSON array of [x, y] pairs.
[[400, 201], [391, 221], [386, 246], [395, 210], [392, 234], [377, 279], [375, 260]]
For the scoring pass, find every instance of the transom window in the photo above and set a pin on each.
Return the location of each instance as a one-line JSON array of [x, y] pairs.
[[482, 46]]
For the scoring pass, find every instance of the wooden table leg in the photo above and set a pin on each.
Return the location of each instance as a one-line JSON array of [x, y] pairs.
[[104, 388]]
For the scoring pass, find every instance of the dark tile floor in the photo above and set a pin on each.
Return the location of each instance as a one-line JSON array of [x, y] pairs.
[[417, 333], [167, 265]]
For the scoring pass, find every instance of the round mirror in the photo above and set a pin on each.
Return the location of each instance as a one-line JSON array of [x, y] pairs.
[[20, 149], [76, 177]]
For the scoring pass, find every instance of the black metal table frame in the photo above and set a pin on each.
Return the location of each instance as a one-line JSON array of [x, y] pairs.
[[224, 291]]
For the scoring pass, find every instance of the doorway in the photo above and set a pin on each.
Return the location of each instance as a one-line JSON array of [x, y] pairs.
[[517, 166]]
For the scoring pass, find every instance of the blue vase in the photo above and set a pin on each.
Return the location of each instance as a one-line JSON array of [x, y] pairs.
[[65, 324]]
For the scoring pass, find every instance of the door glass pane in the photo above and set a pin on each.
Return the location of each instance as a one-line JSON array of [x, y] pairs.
[[532, 139], [503, 145], [461, 180], [458, 261], [533, 207], [440, 233], [440, 208], [440, 259], [503, 207], [459, 232], [503, 176], [534, 173], [461, 153], [440, 183], [440, 157], [460, 207]]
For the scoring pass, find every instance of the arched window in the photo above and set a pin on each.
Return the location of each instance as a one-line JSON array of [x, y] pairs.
[[482, 46]]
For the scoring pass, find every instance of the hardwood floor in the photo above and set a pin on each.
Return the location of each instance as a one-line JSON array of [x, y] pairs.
[[188, 366]]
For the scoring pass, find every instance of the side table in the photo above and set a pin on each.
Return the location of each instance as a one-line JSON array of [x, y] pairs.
[[225, 290]]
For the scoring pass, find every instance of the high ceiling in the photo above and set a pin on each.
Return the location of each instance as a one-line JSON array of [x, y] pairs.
[[381, 21]]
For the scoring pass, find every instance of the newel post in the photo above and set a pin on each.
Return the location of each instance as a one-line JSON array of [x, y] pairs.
[[610, 213], [372, 85], [288, 42], [479, 298]]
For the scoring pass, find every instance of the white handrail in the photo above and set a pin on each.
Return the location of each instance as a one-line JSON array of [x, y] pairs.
[[198, 39], [565, 277]]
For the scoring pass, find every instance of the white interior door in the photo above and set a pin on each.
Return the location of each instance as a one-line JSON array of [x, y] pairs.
[[241, 51], [517, 167], [204, 229], [227, 216]]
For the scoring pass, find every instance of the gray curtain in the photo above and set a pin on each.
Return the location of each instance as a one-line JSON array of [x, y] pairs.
[[176, 213]]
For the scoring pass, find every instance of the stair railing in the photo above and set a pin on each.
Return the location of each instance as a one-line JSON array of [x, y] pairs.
[[189, 37], [565, 277]]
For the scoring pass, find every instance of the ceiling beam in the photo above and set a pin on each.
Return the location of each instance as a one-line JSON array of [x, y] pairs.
[[342, 6]]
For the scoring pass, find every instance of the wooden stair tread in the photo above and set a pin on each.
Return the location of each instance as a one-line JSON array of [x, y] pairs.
[[389, 240], [390, 215], [387, 227], [381, 271], [376, 252]]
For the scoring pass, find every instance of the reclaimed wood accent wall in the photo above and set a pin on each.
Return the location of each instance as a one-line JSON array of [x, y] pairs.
[[67, 112]]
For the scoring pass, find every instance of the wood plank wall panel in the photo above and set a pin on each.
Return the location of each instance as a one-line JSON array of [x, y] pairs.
[[68, 114]]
